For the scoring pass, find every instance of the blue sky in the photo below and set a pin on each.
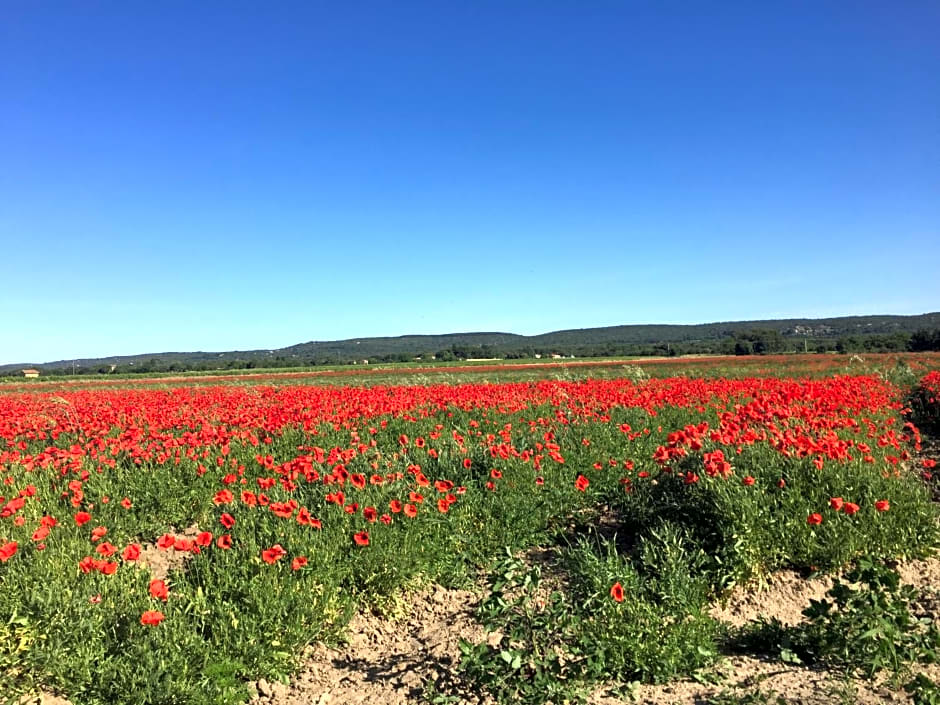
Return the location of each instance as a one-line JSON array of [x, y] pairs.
[[234, 175]]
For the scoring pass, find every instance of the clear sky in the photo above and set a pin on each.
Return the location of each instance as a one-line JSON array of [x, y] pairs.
[[182, 175]]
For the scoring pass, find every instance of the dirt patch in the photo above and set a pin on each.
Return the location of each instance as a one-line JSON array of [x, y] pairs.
[[43, 698], [389, 661], [386, 661], [796, 685], [161, 561], [924, 575], [784, 596]]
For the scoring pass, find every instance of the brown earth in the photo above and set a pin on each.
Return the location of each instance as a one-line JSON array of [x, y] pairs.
[[388, 661], [160, 562]]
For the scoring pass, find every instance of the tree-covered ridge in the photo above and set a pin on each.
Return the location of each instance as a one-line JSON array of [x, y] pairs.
[[843, 334]]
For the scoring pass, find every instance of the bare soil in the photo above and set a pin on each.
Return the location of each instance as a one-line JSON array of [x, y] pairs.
[[389, 661], [386, 660], [159, 561]]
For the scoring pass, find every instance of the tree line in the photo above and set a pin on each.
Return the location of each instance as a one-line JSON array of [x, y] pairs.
[[751, 342]]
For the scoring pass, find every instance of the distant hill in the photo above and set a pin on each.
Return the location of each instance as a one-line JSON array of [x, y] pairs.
[[797, 333]]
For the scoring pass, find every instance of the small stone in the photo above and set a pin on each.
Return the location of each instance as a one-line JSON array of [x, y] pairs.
[[264, 688]]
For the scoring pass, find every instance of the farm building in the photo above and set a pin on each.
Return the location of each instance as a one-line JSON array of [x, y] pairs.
[[30, 374]]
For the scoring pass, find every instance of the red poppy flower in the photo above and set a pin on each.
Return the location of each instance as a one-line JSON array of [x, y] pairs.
[[748, 481], [581, 484], [106, 549], [131, 553], [166, 542], [40, 533], [158, 590], [274, 554], [184, 545], [97, 533], [882, 505], [836, 503], [227, 520], [151, 618], [224, 542], [7, 550], [814, 519], [616, 592], [204, 538], [362, 538], [82, 518], [298, 563], [223, 497], [126, 503], [850, 508], [411, 511]]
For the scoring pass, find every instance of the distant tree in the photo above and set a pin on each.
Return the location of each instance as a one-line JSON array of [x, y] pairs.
[[923, 340]]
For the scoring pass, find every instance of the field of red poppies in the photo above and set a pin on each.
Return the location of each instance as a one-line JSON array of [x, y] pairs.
[[170, 545]]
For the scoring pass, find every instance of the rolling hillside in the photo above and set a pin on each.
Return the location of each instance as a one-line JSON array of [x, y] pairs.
[[638, 339]]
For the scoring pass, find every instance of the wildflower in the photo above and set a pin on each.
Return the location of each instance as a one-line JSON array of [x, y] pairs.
[[814, 519], [274, 554], [7, 550], [151, 618], [616, 592], [158, 590], [166, 542], [106, 549]]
